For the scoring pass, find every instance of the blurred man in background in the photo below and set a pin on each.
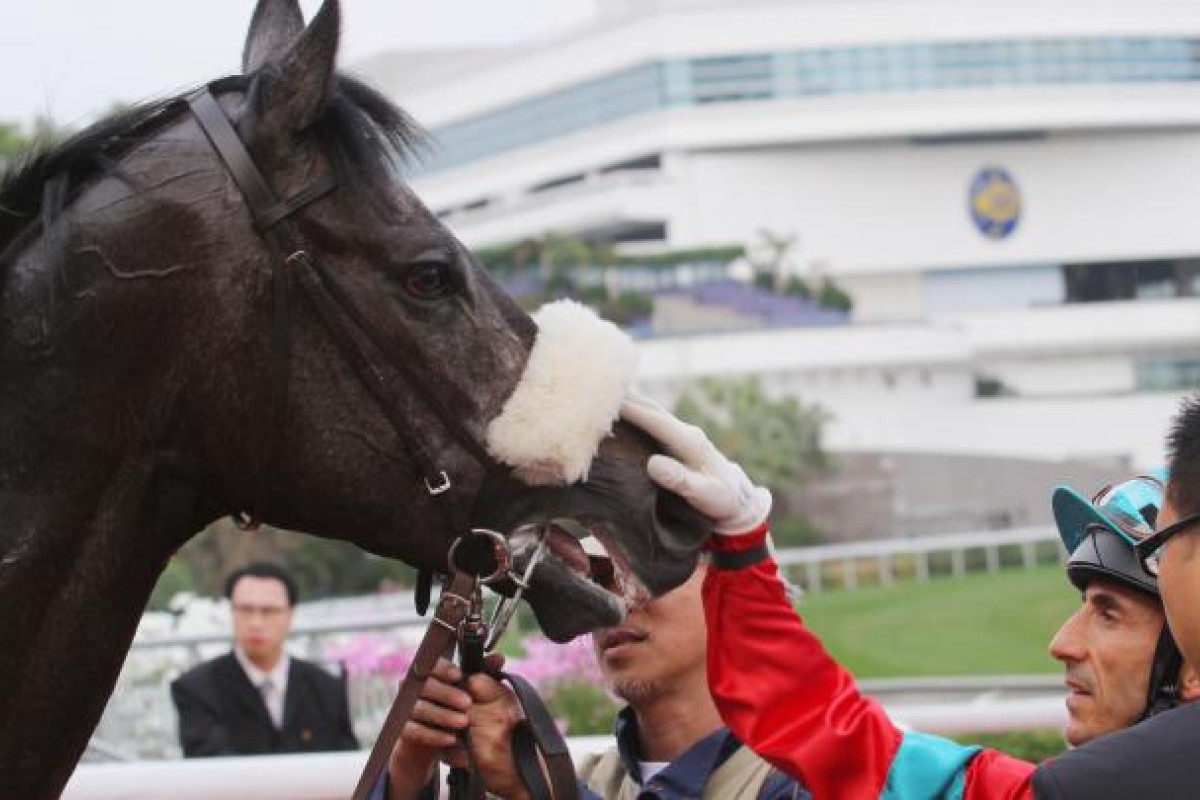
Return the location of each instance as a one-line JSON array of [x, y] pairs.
[[257, 698]]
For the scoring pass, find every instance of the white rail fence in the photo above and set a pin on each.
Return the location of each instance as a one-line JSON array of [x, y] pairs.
[[141, 707], [140, 722], [888, 561], [331, 776]]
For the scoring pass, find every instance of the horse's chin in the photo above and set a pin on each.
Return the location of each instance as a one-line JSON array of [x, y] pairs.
[[575, 589], [567, 606]]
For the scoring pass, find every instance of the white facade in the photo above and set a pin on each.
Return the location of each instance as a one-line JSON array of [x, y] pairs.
[[855, 126], [1072, 374], [862, 128]]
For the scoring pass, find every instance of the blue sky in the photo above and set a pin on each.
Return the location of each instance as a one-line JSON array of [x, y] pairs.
[[72, 59]]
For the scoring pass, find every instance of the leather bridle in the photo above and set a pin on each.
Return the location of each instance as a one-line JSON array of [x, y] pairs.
[[342, 318], [456, 619]]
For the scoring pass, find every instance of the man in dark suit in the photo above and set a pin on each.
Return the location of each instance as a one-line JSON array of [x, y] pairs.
[[258, 699]]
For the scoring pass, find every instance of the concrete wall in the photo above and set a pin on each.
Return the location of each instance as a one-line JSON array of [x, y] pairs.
[[883, 495], [911, 388], [896, 207]]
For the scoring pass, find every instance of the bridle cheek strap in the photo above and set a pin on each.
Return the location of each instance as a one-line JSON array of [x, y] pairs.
[[267, 213], [341, 317], [264, 208], [538, 739]]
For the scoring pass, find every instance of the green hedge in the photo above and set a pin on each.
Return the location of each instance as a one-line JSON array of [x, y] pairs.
[[1036, 746]]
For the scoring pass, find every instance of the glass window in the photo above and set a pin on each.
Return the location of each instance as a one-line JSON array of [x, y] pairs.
[[914, 67], [1167, 373]]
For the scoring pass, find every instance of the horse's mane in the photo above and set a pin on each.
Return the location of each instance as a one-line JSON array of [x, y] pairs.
[[368, 134]]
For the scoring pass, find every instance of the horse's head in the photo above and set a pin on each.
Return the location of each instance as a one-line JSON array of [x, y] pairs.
[[229, 302], [391, 346]]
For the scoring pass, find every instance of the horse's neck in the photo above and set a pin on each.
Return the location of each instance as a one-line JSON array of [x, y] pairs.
[[80, 550]]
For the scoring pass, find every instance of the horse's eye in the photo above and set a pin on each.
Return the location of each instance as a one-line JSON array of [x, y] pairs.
[[427, 279]]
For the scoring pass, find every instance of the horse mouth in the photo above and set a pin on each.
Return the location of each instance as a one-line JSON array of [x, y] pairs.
[[582, 580]]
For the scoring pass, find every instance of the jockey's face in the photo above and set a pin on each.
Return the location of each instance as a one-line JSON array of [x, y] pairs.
[[1107, 647], [261, 619], [659, 648]]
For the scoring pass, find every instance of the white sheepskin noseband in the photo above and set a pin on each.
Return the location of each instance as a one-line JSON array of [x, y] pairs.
[[568, 397]]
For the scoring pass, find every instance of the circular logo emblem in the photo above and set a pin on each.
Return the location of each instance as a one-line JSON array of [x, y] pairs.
[[995, 203]]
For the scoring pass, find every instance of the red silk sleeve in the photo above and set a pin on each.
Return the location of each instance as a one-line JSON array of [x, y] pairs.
[[996, 776], [784, 696], [781, 693]]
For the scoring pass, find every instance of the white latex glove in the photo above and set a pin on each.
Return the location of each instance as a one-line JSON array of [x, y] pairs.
[[697, 471]]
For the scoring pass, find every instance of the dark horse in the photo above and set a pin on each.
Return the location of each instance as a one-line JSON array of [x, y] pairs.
[[136, 395]]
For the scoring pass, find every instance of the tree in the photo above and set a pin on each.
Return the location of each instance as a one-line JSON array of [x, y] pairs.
[[796, 287], [627, 308], [777, 442], [563, 251], [12, 142], [833, 296], [15, 143], [771, 259], [322, 567]]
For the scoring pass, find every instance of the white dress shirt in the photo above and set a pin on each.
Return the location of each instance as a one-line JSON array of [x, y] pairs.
[[271, 685]]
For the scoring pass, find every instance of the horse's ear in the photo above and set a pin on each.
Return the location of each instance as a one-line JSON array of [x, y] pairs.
[[306, 72], [273, 28]]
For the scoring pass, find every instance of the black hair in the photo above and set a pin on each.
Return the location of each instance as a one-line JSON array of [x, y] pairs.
[[1183, 458], [263, 569]]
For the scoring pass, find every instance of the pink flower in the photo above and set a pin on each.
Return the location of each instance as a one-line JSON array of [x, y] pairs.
[[547, 664], [365, 654]]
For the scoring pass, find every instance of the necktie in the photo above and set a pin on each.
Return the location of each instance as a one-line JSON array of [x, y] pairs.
[[270, 696]]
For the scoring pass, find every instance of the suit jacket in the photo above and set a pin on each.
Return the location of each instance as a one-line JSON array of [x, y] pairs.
[[1154, 759], [221, 713]]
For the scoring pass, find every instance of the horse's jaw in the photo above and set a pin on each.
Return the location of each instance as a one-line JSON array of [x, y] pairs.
[[568, 457], [569, 595], [567, 607], [623, 541]]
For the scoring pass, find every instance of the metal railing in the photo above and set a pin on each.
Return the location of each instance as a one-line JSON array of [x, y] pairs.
[[331, 776], [139, 721], [886, 560]]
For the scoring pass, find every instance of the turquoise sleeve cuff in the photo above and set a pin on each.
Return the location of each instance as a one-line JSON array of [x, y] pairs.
[[928, 767]]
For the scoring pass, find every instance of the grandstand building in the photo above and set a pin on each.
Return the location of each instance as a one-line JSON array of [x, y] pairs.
[[1004, 189]]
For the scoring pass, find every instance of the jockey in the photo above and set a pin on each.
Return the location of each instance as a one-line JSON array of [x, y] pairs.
[[1096, 533], [778, 689]]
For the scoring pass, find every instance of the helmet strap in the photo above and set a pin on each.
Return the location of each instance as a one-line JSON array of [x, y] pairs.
[[1163, 694]]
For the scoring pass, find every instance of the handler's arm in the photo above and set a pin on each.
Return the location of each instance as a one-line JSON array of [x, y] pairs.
[[775, 685], [781, 693], [779, 690]]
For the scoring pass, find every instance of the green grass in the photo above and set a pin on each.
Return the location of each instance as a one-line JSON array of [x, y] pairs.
[[977, 625]]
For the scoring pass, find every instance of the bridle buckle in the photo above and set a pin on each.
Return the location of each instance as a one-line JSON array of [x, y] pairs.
[[442, 486]]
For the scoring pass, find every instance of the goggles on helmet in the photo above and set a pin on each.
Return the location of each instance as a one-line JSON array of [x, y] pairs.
[[1132, 506]]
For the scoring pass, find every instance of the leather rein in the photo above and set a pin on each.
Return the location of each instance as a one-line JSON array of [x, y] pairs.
[[457, 621], [540, 753]]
